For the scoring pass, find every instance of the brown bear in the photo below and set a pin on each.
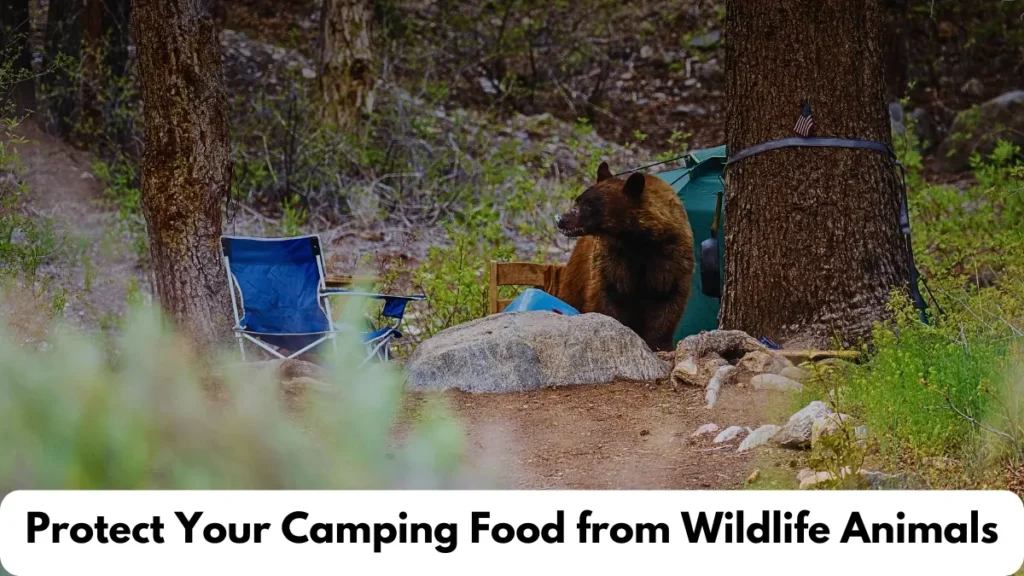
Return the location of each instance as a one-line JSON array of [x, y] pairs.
[[634, 257]]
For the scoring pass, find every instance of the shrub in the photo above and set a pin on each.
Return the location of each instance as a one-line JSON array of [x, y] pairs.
[[153, 418]]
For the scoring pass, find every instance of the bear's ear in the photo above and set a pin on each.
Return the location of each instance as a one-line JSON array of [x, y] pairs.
[[603, 172], [634, 187]]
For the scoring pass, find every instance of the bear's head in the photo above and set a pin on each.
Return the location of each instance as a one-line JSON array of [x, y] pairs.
[[608, 208]]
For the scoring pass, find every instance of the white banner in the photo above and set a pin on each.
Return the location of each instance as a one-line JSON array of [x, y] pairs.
[[511, 532]]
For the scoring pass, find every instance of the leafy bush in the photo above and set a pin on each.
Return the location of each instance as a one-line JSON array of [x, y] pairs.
[[951, 388], [153, 417]]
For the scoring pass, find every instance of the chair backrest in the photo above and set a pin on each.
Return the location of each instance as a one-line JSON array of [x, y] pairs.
[[279, 280], [543, 276]]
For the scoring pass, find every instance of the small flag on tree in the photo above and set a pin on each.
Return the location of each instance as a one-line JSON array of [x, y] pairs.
[[805, 122]]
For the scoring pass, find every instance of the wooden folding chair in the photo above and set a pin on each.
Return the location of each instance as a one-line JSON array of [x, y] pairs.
[[543, 276]]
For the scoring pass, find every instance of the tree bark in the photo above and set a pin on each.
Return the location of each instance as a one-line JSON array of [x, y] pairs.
[[15, 34], [186, 166], [813, 244], [64, 24], [346, 75]]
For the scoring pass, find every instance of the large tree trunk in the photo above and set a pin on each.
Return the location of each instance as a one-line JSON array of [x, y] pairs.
[[185, 168], [345, 56], [813, 245], [15, 33], [63, 38]]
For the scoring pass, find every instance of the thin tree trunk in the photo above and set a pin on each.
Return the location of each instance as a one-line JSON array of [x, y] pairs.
[[186, 167], [117, 31], [896, 48], [813, 245], [15, 33], [63, 38], [346, 75]]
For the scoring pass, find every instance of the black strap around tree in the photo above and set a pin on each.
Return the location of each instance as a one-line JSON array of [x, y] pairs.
[[914, 275]]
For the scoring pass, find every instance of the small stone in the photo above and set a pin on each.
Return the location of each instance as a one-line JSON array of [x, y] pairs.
[[308, 73], [711, 394], [690, 110], [706, 40], [826, 426], [809, 478], [761, 362], [754, 476], [758, 437], [728, 434], [775, 382], [690, 82], [645, 432], [705, 429], [646, 52], [794, 373], [797, 431]]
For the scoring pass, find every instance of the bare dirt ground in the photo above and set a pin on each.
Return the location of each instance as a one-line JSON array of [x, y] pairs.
[[616, 436], [96, 265]]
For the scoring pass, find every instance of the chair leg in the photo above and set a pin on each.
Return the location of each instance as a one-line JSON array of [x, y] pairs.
[[241, 347]]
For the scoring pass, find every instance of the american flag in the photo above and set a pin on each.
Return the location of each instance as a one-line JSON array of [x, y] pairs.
[[805, 122]]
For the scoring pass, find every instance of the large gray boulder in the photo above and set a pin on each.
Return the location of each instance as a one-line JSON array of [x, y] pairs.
[[522, 351], [978, 129]]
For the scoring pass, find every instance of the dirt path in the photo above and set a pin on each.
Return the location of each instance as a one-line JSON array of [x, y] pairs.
[[96, 265], [616, 436]]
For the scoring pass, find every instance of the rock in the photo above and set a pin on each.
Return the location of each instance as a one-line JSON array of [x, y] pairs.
[[690, 110], [487, 85], [690, 373], [795, 373], [826, 425], [775, 382], [646, 52], [699, 356], [797, 431], [809, 478], [758, 437], [705, 429], [521, 351], [978, 129], [711, 394], [883, 481], [763, 361], [754, 476], [896, 120], [711, 71], [706, 40], [730, 433], [973, 87]]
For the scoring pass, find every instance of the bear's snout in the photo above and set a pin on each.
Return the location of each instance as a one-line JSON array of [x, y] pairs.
[[569, 223]]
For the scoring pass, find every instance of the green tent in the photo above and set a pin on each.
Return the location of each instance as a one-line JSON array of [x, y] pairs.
[[698, 184]]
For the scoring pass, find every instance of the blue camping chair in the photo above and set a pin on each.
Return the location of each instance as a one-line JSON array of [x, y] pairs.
[[278, 287]]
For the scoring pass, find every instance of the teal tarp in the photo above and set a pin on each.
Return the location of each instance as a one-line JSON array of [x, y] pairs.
[[698, 185]]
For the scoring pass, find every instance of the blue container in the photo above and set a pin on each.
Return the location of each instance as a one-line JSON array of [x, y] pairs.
[[534, 300]]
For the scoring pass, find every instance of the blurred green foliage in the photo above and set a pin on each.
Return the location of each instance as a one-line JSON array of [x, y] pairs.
[[155, 417]]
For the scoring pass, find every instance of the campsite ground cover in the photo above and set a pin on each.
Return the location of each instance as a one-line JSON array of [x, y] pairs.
[[624, 435]]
